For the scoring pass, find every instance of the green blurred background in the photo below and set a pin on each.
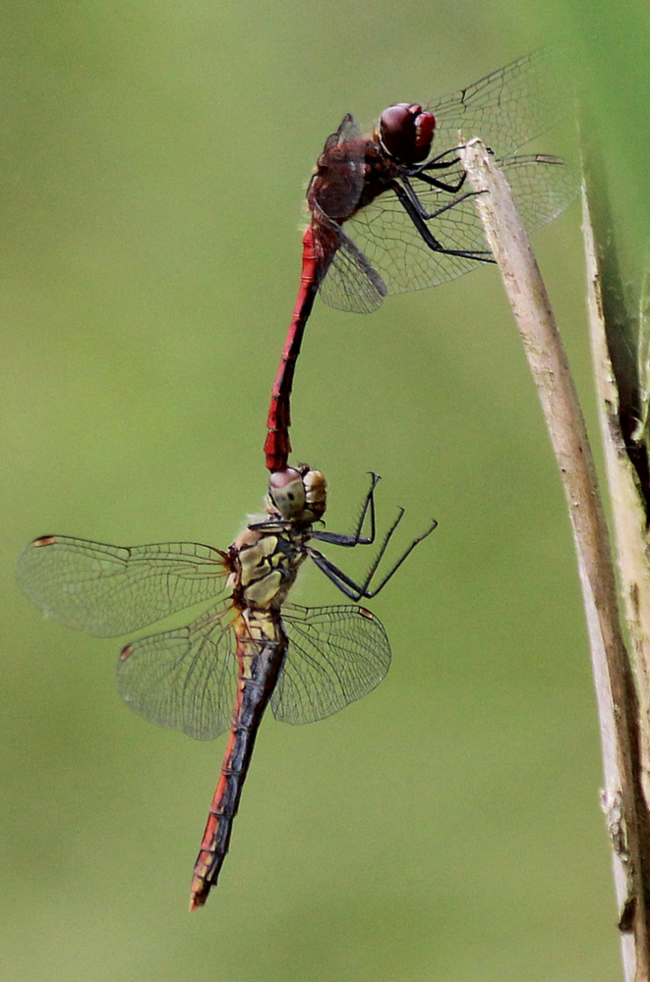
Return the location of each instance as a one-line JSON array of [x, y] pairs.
[[447, 827]]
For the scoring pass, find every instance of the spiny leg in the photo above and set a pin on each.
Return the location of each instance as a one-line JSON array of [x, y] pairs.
[[444, 161], [415, 212], [356, 591], [356, 539], [417, 204]]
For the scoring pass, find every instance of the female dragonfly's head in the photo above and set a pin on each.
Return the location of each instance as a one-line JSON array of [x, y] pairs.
[[297, 493]]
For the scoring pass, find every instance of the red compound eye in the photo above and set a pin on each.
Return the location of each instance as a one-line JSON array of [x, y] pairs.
[[407, 132]]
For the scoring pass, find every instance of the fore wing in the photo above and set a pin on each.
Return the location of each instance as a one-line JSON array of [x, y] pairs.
[[507, 108], [336, 655], [110, 590]]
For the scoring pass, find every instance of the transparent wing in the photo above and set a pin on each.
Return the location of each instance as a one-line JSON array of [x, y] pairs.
[[336, 655], [341, 183], [542, 186], [109, 590], [184, 679], [348, 132], [351, 282], [509, 107]]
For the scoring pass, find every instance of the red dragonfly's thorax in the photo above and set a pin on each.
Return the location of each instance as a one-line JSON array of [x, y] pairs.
[[337, 184], [379, 170], [348, 177]]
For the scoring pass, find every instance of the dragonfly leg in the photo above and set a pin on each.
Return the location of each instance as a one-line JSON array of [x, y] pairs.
[[444, 161], [356, 539], [410, 203], [434, 182], [428, 215], [358, 591]]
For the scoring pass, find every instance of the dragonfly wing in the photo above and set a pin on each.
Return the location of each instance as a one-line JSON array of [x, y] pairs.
[[348, 132], [508, 108], [393, 246], [184, 679], [335, 656], [542, 187], [351, 282], [109, 590], [340, 173]]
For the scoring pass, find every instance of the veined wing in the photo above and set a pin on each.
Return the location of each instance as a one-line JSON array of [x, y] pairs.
[[351, 283], [341, 181], [542, 186], [336, 655], [507, 108], [110, 590], [184, 679], [347, 132]]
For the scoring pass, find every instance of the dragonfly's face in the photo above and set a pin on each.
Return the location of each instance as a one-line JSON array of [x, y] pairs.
[[315, 487], [297, 494], [406, 132]]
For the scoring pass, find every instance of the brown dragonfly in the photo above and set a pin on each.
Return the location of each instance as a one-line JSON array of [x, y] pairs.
[[251, 648]]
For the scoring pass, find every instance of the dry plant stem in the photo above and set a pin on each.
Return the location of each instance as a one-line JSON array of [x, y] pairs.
[[612, 324], [617, 706], [608, 317]]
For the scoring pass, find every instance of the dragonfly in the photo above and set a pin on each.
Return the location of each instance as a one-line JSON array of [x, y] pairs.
[[389, 209], [249, 649]]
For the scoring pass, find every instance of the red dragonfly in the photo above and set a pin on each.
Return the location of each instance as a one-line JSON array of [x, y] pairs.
[[249, 649], [389, 210]]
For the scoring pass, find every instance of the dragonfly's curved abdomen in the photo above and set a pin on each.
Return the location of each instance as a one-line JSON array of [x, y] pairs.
[[261, 647]]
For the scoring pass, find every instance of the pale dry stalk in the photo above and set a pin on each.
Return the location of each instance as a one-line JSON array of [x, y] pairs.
[[616, 696]]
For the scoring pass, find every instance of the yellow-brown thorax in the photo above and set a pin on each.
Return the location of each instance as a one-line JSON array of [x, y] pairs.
[[266, 557], [265, 565]]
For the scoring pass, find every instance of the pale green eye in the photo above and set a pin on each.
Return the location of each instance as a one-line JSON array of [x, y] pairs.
[[290, 499]]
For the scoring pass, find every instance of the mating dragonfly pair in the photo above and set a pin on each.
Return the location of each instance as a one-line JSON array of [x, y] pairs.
[[388, 214]]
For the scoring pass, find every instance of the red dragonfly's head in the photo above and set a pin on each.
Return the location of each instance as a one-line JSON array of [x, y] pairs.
[[406, 132], [297, 493]]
